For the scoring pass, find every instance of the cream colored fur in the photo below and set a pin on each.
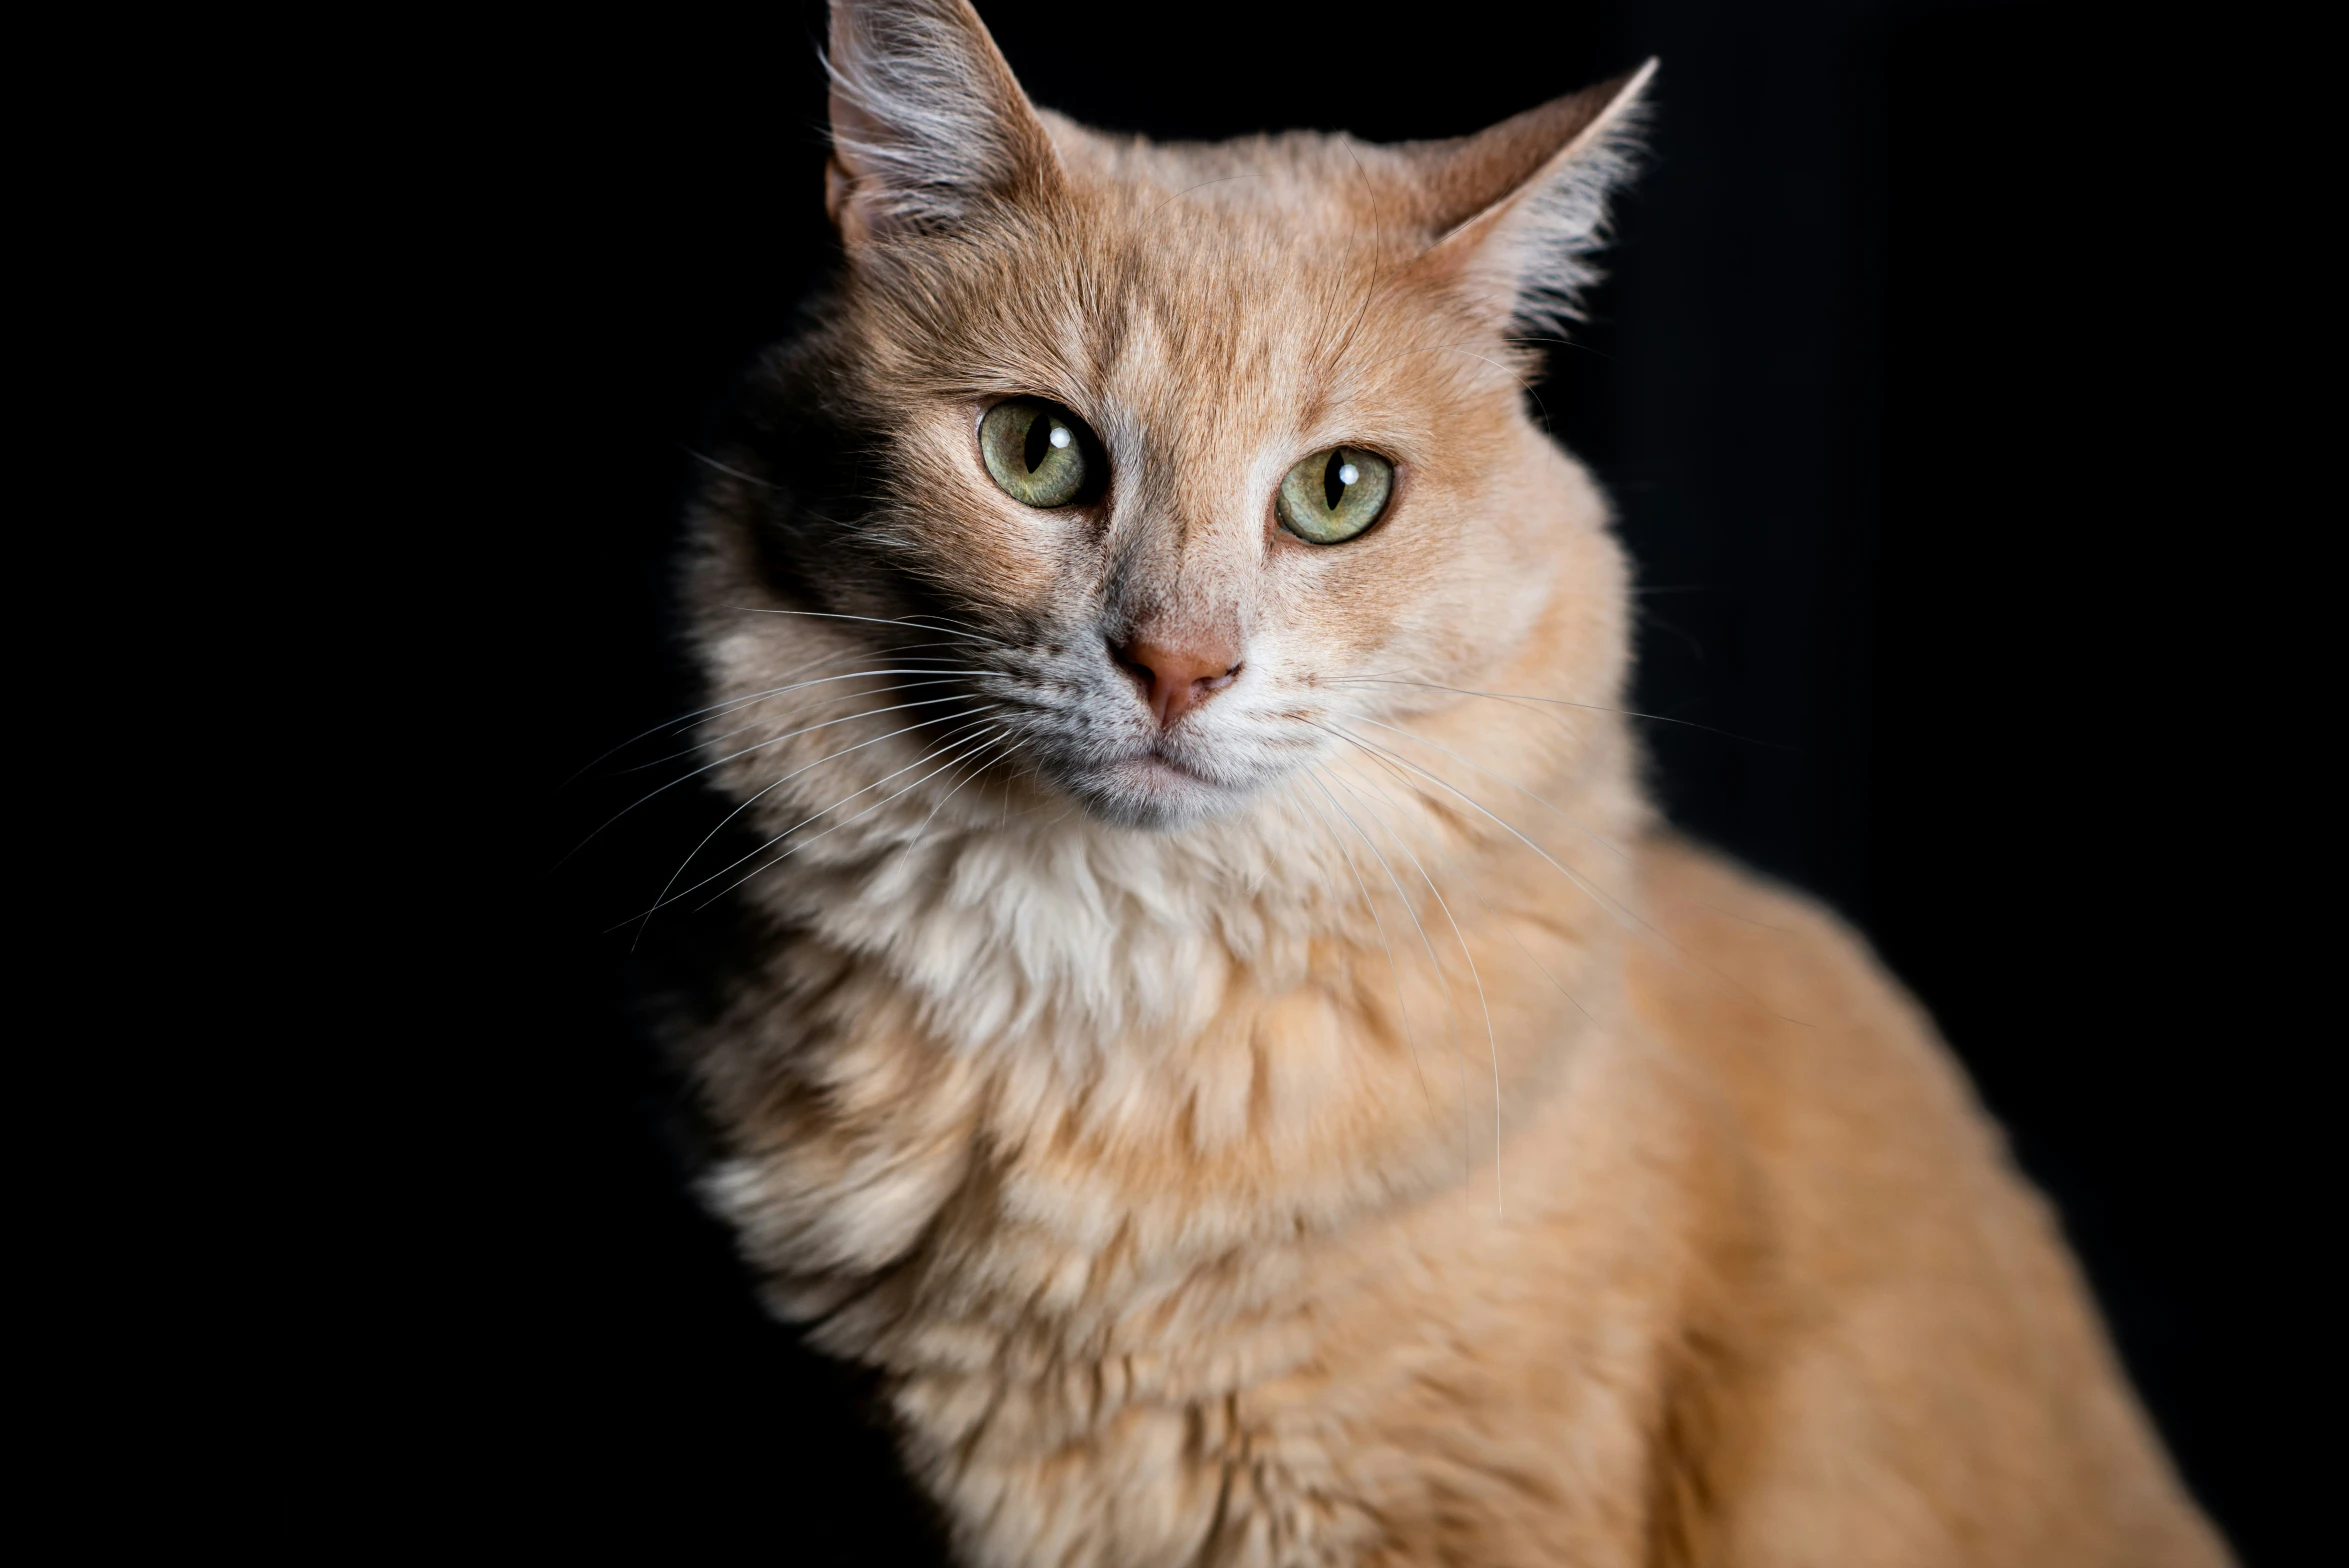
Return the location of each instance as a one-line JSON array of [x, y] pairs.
[[1368, 1138]]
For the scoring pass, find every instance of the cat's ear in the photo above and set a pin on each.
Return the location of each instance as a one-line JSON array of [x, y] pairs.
[[1521, 207], [928, 123]]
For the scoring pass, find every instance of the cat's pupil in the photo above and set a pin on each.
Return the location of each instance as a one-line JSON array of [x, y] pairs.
[[1333, 479], [1039, 441]]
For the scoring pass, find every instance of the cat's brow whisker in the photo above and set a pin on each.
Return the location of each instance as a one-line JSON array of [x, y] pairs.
[[1492, 1043], [1379, 272], [846, 822], [973, 716]]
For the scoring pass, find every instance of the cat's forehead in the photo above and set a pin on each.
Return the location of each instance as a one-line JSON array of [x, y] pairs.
[[1222, 297], [1303, 182], [1230, 276]]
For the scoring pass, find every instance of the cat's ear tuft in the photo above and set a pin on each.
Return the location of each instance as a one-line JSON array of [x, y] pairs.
[[1521, 207], [928, 123]]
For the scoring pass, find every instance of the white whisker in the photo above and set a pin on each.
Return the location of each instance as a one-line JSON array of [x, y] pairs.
[[835, 827], [1443, 982], [946, 678], [736, 702], [824, 615], [1001, 748], [942, 743], [1491, 1042], [663, 897], [1606, 844], [1402, 1008], [1677, 954], [744, 752], [1559, 702], [1375, 750]]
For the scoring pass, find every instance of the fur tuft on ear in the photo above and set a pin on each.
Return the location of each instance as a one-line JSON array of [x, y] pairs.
[[1522, 207], [927, 119]]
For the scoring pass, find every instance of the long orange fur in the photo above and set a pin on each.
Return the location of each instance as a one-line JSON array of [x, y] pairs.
[[1401, 1149]]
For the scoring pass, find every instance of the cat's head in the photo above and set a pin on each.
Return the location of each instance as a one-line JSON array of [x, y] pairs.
[[1192, 454]]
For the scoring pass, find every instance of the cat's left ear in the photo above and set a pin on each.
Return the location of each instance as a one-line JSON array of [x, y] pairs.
[[929, 126], [1521, 207]]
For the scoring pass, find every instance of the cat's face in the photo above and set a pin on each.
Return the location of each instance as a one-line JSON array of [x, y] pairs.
[[1164, 632], [1190, 453]]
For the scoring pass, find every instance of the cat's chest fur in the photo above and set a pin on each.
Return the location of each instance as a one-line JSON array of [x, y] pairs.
[[1123, 1245]]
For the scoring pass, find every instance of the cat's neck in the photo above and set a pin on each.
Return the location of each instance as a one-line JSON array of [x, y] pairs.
[[1013, 923], [1119, 1062]]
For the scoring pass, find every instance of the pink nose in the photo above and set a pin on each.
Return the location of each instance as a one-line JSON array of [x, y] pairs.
[[1175, 678]]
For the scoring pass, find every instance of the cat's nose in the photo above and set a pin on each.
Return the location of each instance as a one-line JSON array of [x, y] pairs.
[[1176, 677]]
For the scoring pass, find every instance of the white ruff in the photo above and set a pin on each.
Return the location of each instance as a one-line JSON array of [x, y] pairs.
[[1052, 929]]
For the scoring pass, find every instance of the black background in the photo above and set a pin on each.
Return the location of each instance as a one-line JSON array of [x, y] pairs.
[[1927, 471]]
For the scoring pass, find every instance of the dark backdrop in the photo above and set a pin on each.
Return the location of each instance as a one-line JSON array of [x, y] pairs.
[[1913, 451]]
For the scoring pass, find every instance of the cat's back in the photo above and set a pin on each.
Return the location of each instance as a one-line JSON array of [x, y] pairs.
[[1929, 1382]]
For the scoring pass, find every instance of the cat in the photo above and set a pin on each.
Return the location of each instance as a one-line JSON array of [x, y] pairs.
[[1218, 1026]]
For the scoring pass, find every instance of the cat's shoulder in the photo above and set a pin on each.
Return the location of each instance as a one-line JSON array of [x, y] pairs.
[[1902, 1236], [1779, 1001], [1772, 942]]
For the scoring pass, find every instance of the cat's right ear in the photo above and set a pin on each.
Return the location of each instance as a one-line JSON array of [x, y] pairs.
[[1520, 207], [928, 124]]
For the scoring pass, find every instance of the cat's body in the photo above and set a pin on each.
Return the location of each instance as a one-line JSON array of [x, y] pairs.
[[1319, 1119]]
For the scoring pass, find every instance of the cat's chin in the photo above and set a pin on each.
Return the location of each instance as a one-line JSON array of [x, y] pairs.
[[1151, 791]]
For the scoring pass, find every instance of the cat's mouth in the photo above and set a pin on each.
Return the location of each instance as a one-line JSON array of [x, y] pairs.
[[1155, 788], [1157, 761], [1156, 771]]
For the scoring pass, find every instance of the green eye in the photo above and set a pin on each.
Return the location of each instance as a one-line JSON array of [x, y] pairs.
[[1038, 454], [1334, 495]]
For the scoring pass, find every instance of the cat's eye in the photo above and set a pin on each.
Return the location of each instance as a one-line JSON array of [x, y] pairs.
[[1334, 495], [1039, 454]]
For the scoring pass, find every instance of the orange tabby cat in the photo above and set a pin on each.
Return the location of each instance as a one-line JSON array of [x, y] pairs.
[[1222, 1031]]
